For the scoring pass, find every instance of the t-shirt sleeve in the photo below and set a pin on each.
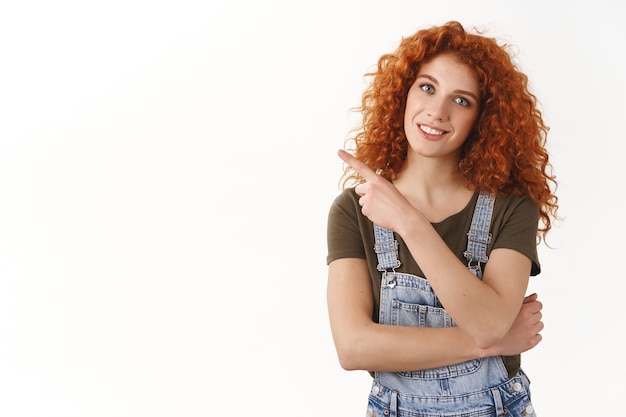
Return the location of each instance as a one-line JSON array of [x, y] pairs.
[[518, 230], [343, 233]]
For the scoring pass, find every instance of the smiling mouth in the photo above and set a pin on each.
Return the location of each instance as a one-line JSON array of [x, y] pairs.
[[431, 131]]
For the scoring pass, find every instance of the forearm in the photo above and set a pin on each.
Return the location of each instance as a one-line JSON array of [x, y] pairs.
[[483, 308], [363, 344], [388, 348]]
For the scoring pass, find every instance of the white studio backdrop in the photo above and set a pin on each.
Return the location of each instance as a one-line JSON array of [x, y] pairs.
[[165, 173]]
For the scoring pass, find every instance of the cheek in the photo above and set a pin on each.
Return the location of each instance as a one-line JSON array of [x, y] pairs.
[[412, 107], [408, 119], [469, 122]]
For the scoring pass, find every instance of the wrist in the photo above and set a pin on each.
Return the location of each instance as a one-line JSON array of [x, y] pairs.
[[411, 224]]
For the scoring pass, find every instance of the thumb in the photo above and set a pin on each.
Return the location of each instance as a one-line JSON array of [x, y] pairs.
[[530, 298]]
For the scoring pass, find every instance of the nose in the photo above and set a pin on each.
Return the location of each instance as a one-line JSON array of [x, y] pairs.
[[438, 109]]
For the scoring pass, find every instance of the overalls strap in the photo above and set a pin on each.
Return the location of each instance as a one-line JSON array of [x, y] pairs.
[[386, 248], [478, 236]]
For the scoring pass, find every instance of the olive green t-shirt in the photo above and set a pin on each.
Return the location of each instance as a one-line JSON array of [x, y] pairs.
[[513, 226]]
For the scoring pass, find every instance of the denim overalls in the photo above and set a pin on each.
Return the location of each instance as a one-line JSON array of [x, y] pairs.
[[475, 388]]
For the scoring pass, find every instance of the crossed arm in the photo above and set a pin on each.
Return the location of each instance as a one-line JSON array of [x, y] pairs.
[[363, 344]]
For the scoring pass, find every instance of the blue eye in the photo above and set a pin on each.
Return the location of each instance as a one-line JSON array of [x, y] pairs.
[[462, 101], [427, 88]]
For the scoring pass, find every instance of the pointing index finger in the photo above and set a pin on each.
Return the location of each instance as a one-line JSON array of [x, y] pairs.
[[362, 169]]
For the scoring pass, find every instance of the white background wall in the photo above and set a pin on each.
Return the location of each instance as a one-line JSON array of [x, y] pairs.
[[166, 168]]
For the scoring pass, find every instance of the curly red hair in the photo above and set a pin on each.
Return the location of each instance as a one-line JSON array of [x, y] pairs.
[[505, 154]]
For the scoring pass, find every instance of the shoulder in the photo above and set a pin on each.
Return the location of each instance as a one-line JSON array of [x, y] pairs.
[[515, 204], [515, 224], [346, 197], [346, 225], [345, 204]]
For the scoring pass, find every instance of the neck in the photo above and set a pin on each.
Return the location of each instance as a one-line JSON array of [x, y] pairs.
[[430, 176], [434, 187]]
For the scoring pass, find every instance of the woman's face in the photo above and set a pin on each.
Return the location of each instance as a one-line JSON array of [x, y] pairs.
[[442, 107]]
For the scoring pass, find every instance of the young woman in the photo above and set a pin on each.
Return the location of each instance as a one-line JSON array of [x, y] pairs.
[[432, 241]]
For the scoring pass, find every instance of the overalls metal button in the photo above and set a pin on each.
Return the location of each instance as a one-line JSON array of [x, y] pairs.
[[375, 390], [528, 410], [517, 387]]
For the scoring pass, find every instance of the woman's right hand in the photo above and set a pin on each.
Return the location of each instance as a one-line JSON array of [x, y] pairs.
[[525, 331]]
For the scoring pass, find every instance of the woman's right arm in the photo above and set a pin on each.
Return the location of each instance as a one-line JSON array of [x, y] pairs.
[[364, 344]]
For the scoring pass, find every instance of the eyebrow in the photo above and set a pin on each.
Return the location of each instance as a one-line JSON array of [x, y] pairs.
[[434, 80]]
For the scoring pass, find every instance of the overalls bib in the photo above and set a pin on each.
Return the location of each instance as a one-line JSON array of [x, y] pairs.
[[476, 388]]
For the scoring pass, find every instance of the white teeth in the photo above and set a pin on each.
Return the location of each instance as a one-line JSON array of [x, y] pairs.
[[430, 130]]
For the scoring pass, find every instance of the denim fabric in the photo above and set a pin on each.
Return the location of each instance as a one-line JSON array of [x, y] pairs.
[[479, 387], [510, 399], [478, 236]]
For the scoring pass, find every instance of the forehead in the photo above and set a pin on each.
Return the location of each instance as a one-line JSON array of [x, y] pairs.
[[447, 69]]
